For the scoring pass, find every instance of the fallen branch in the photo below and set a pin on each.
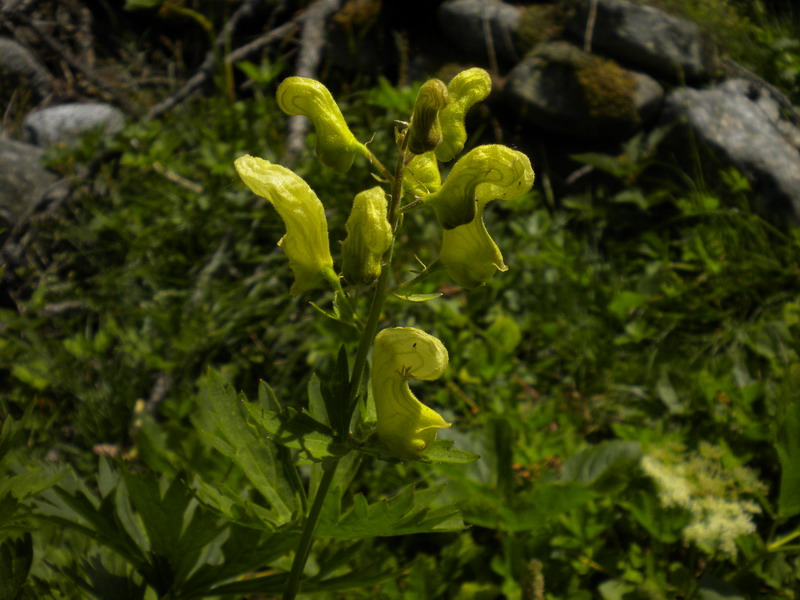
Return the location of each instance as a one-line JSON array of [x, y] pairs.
[[206, 70], [66, 55]]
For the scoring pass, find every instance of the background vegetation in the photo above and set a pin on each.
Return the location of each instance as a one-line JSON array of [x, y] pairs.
[[644, 340]]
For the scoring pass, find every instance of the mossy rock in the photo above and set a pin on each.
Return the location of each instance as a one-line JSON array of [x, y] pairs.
[[562, 88]]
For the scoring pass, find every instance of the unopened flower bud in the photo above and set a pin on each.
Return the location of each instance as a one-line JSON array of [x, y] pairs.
[[405, 425], [421, 176], [425, 132], [369, 236], [306, 240], [336, 145]]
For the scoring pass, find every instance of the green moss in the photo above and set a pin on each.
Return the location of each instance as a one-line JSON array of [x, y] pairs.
[[608, 89], [538, 23]]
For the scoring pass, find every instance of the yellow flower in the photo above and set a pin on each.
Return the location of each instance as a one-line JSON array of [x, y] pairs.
[[468, 252], [336, 145], [464, 90], [306, 241], [405, 425], [483, 174], [369, 236]]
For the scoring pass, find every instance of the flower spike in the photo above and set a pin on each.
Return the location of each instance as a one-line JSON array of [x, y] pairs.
[[405, 425], [306, 241], [336, 145]]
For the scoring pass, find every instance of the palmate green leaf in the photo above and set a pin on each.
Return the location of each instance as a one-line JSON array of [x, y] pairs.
[[406, 512], [102, 583], [244, 550], [235, 506], [16, 557], [240, 439], [177, 529], [604, 467], [73, 505], [295, 430]]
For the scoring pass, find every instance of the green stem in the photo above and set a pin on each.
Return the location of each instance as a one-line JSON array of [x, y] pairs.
[[774, 546], [292, 586], [381, 290]]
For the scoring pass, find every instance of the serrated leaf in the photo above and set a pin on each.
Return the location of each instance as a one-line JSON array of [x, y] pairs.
[[241, 440], [298, 431], [602, 466], [245, 550], [404, 513]]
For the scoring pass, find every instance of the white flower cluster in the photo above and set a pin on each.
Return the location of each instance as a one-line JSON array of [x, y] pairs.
[[716, 521]]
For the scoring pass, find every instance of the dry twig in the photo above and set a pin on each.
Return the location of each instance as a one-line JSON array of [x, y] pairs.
[[206, 70]]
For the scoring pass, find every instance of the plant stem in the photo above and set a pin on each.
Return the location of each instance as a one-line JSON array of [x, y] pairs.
[[379, 297], [307, 536], [365, 343]]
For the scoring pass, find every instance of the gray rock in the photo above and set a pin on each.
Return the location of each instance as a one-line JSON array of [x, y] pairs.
[[729, 122], [24, 182], [467, 23], [18, 65], [767, 103], [647, 38], [561, 88], [66, 123]]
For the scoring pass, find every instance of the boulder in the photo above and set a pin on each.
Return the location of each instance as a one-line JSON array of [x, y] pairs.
[[19, 67], [473, 24], [647, 38], [730, 122], [66, 123], [24, 182], [563, 89]]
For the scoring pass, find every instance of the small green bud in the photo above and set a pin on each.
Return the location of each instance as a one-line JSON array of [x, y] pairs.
[[483, 174], [424, 132], [336, 145], [369, 236], [306, 241], [464, 90], [405, 425]]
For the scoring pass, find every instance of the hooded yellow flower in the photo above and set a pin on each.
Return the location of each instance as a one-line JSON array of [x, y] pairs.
[[464, 90], [486, 173], [369, 236], [306, 241], [336, 145], [483, 174], [405, 425]]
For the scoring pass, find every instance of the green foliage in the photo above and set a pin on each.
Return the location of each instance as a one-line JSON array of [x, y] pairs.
[[652, 313]]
